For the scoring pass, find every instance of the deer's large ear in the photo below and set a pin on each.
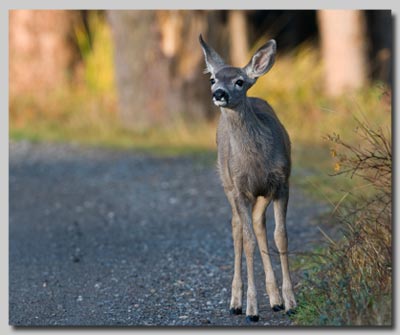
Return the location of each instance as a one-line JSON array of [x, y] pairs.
[[262, 60], [213, 61]]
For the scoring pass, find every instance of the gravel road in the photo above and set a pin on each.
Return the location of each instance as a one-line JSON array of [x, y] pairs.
[[118, 238]]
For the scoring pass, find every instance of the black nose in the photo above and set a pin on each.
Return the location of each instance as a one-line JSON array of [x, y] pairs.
[[220, 95]]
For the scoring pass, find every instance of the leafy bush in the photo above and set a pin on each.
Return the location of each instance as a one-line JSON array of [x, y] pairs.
[[350, 283]]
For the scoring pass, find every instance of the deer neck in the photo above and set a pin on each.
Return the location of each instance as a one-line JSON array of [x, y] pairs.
[[239, 117]]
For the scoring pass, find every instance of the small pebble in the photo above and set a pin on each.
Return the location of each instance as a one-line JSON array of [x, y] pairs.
[[173, 201]]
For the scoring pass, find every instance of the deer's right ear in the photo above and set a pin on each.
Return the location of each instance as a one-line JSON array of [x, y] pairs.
[[213, 61]]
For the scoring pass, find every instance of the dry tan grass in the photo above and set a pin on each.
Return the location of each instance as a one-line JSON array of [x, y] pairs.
[[351, 282]]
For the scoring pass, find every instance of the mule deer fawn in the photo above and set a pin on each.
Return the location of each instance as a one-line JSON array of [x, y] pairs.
[[254, 166]]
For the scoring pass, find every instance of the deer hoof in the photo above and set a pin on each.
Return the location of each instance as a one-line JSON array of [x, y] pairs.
[[252, 318], [291, 312], [277, 308], [235, 311]]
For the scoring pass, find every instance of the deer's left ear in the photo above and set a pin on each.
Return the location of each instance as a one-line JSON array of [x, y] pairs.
[[262, 60], [213, 61]]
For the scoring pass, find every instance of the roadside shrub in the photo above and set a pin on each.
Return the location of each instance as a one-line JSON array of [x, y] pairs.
[[350, 282]]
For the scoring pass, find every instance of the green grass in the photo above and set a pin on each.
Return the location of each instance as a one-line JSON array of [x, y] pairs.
[[327, 295], [161, 142]]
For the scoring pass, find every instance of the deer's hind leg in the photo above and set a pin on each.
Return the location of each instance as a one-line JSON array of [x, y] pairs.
[[259, 225], [280, 235]]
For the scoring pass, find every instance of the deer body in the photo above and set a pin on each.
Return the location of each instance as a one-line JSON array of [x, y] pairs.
[[254, 166], [253, 149]]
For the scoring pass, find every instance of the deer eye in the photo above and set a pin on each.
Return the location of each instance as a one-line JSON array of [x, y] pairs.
[[212, 81], [239, 82]]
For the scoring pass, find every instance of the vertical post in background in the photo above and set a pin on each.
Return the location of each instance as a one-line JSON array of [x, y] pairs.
[[238, 37], [343, 49]]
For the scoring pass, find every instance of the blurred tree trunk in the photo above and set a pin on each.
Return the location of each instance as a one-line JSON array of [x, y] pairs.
[[42, 53], [343, 43], [159, 66], [239, 45]]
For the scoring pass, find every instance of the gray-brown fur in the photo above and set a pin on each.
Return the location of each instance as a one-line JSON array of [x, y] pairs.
[[254, 166], [254, 149]]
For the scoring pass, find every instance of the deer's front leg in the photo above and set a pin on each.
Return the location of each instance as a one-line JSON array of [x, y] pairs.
[[244, 211], [237, 284]]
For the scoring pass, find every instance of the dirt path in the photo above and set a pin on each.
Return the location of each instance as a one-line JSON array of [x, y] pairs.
[[102, 237]]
